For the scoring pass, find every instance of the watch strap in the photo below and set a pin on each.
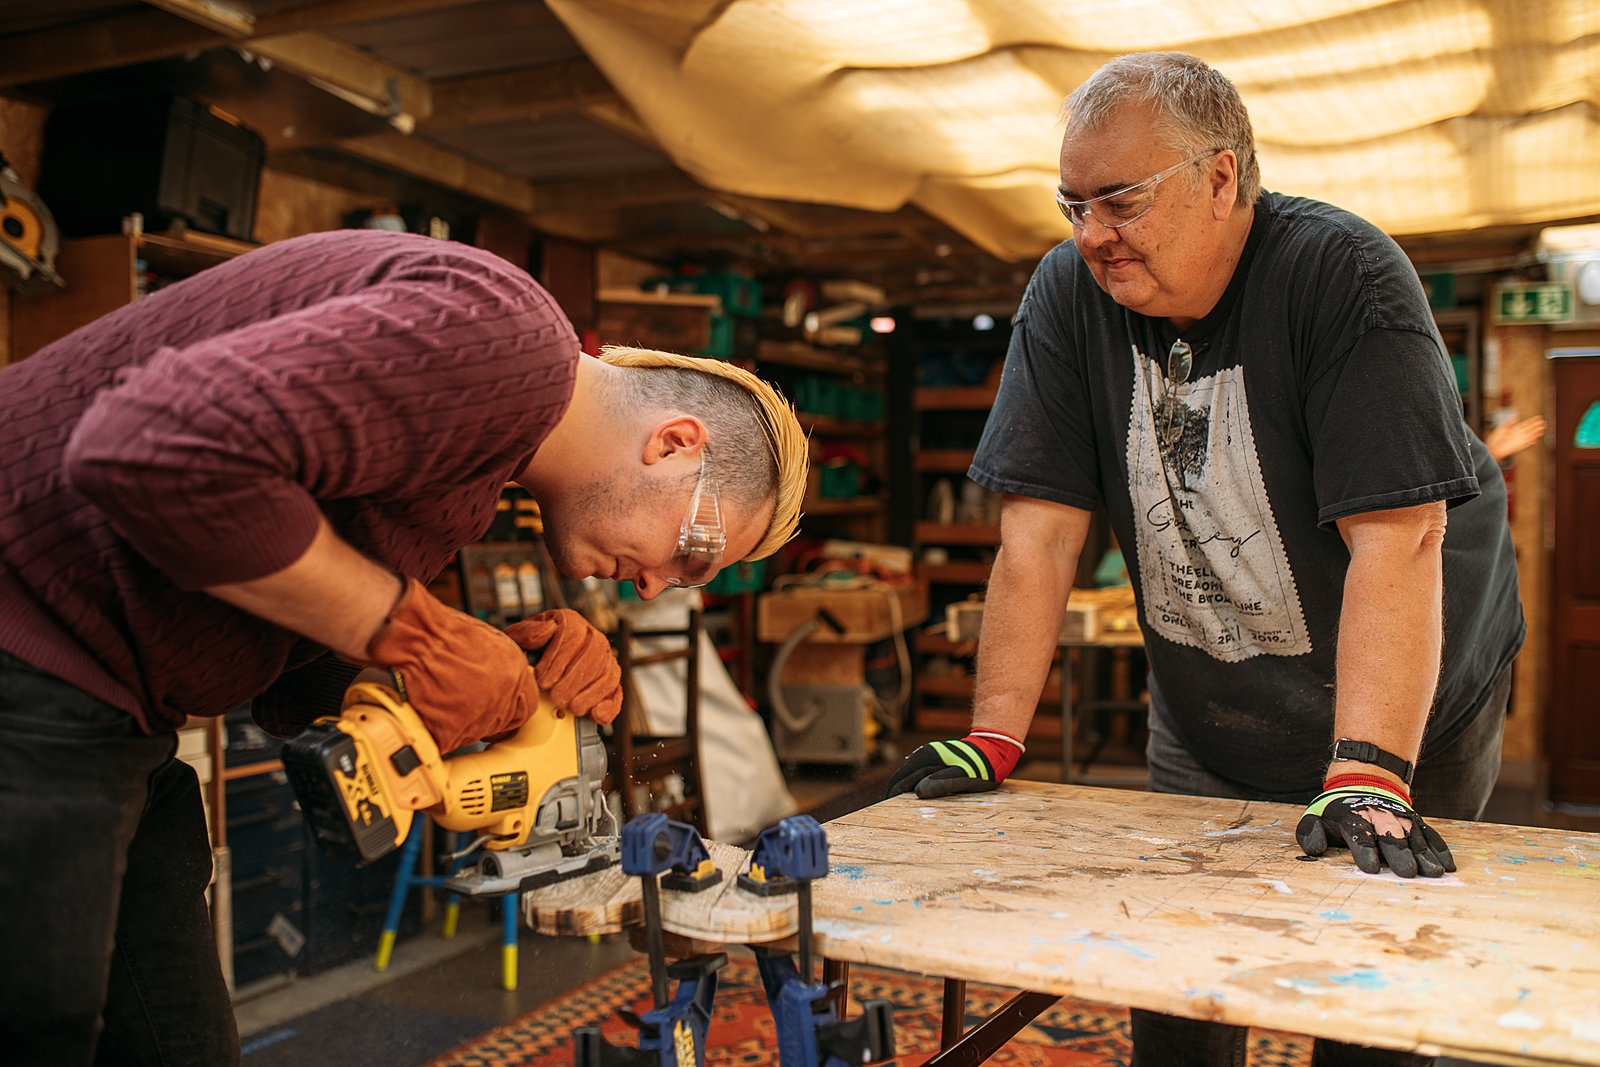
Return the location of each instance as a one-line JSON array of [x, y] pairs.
[[1367, 752]]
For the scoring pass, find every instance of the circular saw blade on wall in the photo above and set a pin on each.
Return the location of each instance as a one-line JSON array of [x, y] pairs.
[[28, 237]]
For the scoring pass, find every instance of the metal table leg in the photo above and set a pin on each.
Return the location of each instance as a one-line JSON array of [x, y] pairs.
[[985, 1039]]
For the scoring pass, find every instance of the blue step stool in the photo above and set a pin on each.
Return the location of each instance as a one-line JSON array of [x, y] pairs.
[[407, 879]]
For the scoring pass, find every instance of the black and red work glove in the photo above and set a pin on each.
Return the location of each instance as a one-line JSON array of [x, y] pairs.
[[1350, 812], [466, 679], [978, 762], [578, 669]]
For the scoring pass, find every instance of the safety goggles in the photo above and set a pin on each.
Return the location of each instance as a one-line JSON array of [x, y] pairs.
[[1122, 206], [702, 537]]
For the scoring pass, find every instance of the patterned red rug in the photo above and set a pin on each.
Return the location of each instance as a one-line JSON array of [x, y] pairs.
[[1073, 1033]]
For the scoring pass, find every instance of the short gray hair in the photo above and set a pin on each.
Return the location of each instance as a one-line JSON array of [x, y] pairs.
[[1198, 109]]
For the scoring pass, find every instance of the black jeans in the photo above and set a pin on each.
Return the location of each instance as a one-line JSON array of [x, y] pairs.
[[1455, 784], [106, 950]]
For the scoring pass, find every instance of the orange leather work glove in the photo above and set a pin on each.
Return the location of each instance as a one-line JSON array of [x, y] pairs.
[[466, 679], [578, 669]]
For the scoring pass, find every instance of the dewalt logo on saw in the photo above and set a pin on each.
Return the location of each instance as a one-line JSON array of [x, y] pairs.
[[363, 794]]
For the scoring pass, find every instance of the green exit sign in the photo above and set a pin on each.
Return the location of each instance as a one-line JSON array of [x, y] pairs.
[[1533, 303]]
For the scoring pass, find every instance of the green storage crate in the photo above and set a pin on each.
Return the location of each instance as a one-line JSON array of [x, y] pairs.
[[745, 576], [817, 396], [721, 343], [861, 405], [841, 480]]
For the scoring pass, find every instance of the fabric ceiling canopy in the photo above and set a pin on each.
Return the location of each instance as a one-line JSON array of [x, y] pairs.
[[1424, 116]]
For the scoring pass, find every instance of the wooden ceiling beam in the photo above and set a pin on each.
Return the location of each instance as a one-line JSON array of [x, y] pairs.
[[82, 48], [236, 23], [352, 75], [571, 85], [442, 166], [608, 193], [346, 12], [189, 25], [222, 19], [827, 221]]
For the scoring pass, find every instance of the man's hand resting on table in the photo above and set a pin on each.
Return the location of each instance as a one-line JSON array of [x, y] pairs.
[[1374, 819], [978, 762]]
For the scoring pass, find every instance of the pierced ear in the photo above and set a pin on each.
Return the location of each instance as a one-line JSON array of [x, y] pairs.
[[677, 435]]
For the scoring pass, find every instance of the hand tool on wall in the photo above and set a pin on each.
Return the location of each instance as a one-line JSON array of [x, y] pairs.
[[534, 799], [787, 858], [663, 853]]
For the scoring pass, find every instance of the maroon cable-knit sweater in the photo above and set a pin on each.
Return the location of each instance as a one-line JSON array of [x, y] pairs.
[[390, 382]]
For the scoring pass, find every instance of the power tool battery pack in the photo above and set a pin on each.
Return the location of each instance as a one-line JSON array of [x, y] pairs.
[[342, 803]]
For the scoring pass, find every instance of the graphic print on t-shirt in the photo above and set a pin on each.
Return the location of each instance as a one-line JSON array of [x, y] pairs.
[[1211, 560]]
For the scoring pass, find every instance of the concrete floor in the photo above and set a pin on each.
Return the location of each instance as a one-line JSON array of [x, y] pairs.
[[438, 994]]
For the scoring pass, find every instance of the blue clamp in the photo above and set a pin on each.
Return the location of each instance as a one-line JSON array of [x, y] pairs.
[[793, 852], [653, 844], [786, 859], [810, 1033], [669, 1036]]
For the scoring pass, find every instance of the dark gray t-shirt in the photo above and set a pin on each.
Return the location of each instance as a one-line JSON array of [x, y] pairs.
[[1320, 388]]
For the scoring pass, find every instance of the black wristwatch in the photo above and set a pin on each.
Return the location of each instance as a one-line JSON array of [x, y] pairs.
[[1367, 752]]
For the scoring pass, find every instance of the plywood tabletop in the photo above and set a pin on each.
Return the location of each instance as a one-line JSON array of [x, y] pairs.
[[1207, 908]]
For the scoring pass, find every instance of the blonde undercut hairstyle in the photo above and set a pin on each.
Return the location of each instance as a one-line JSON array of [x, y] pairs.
[[1197, 109], [760, 451]]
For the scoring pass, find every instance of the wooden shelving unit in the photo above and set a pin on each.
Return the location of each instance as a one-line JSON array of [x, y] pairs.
[[956, 533], [101, 275], [863, 517]]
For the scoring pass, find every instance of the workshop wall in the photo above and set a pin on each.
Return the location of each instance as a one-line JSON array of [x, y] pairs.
[[1524, 383], [22, 141], [289, 205]]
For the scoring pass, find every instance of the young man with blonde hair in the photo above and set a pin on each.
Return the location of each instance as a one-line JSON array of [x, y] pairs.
[[233, 488]]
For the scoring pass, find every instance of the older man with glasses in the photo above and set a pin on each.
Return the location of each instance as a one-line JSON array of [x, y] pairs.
[[237, 489], [1253, 386]]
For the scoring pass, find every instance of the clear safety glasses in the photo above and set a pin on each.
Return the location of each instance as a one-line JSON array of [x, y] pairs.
[[702, 537], [1122, 206]]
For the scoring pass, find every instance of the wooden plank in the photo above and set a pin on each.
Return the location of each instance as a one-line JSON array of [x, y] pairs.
[[345, 12], [118, 41], [951, 460], [954, 398], [354, 76], [141, 36], [609, 901], [1206, 908], [550, 88], [442, 166], [706, 301], [727, 914], [604, 902], [957, 533]]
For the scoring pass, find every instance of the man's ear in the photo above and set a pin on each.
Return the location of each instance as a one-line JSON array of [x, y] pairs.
[[1223, 184], [673, 436]]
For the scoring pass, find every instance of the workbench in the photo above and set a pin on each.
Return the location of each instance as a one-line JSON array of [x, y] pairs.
[[1206, 908]]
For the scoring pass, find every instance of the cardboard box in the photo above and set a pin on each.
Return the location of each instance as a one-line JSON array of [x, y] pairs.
[[855, 616], [1093, 615]]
